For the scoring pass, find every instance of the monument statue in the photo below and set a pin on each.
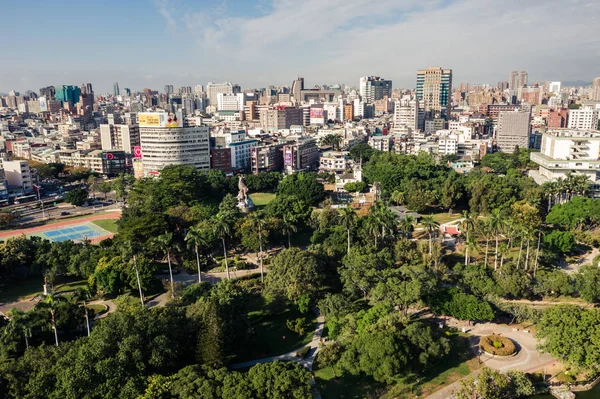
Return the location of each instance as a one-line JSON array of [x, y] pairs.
[[244, 201]]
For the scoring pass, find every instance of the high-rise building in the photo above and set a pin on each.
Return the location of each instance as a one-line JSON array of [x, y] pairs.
[[169, 89], [165, 140], [230, 101], [68, 93], [554, 87], [585, 118], [373, 88], [127, 91], [595, 96], [517, 79], [503, 85], [86, 88], [119, 137], [434, 86], [513, 130], [297, 87], [212, 89], [406, 113], [48, 92], [198, 89], [116, 91]]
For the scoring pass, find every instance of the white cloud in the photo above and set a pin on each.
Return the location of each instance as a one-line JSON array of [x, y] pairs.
[[340, 40]]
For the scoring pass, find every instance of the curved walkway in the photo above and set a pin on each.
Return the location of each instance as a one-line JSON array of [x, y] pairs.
[[528, 358]]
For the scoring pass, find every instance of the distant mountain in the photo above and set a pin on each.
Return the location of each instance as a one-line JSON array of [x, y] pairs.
[[577, 83]]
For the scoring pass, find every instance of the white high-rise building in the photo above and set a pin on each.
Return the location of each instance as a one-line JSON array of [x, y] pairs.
[[119, 137], [554, 87], [231, 101], [585, 118], [595, 95], [406, 113], [213, 89], [18, 174], [165, 140]]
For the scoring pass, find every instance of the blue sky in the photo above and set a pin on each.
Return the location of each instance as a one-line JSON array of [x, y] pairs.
[[150, 43]]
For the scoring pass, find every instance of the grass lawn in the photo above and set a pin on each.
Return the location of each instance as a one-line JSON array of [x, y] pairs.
[[262, 199], [23, 289], [98, 308], [271, 337], [459, 363], [20, 289], [107, 224]]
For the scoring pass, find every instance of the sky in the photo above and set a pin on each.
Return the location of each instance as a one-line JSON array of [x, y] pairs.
[[255, 43]]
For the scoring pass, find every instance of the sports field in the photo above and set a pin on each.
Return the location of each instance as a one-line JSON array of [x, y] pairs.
[[77, 230]]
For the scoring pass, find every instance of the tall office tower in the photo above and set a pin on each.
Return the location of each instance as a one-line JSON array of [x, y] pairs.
[[68, 93], [595, 96], [116, 91], [503, 85], [165, 140], [297, 87], [517, 79], [513, 130], [212, 89], [198, 89], [169, 89], [48, 92], [373, 88], [119, 137], [434, 86], [86, 88], [127, 91], [236, 88]]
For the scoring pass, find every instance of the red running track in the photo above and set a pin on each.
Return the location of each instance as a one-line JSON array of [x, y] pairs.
[[66, 223]]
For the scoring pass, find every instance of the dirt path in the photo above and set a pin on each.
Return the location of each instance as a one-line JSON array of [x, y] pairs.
[[58, 225]]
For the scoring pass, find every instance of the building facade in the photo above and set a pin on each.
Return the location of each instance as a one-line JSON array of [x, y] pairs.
[[568, 151], [373, 88], [119, 137], [434, 87], [166, 141], [513, 130]]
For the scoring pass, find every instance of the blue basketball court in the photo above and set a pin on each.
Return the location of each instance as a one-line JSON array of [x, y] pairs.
[[75, 233]]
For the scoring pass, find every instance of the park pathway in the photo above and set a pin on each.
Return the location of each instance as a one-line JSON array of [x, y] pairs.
[[528, 359], [307, 362]]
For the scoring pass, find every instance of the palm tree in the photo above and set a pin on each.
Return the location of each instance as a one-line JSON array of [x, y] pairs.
[[22, 320], [92, 184], [164, 243], [289, 227], [430, 225], [484, 229], [407, 225], [495, 224], [372, 225], [397, 197], [259, 222], [537, 252], [468, 224], [503, 251], [222, 229], [348, 219], [131, 250], [83, 294], [195, 239], [51, 302]]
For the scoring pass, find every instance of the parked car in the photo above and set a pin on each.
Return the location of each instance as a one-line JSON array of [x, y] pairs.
[[65, 213]]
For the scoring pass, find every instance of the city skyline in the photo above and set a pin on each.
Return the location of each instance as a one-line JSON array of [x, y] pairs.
[[181, 43]]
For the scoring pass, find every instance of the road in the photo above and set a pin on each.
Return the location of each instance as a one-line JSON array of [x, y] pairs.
[[53, 213]]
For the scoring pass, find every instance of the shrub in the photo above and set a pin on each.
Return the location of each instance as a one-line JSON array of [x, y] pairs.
[[298, 325], [497, 345]]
